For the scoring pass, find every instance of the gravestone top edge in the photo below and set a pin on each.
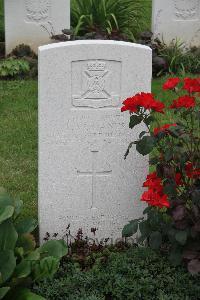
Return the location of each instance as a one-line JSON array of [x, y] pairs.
[[92, 42]]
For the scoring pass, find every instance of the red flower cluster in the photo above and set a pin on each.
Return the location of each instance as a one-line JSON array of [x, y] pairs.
[[171, 83], [178, 179], [145, 100], [184, 101], [191, 171], [155, 196], [192, 85], [163, 128]]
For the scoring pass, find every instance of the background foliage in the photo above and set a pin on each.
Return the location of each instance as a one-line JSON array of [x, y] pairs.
[[124, 16], [10, 68]]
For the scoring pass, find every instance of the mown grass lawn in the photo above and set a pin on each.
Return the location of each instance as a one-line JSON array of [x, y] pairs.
[[18, 141], [18, 138]]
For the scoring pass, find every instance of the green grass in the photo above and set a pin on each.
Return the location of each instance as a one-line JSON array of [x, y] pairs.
[[148, 14], [18, 138], [18, 141]]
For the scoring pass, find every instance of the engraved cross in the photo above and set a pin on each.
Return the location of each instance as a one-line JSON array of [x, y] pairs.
[[94, 173]]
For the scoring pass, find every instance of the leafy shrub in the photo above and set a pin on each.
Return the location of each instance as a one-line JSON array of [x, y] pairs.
[[20, 261], [134, 274], [11, 68], [173, 215], [191, 60], [178, 58], [173, 54], [23, 50], [124, 16]]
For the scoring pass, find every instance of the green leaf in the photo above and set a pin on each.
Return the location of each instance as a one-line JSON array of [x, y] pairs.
[[33, 256], [175, 257], [6, 213], [144, 228], [54, 248], [149, 120], [155, 240], [168, 154], [45, 268], [145, 145], [7, 265], [3, 292], [181, 237], [19, 252], [26, 226], [8, 236], [174, 131], [25, 294], [18, 207], [170, 189], [27, 242], [154, 161], [5, 199], [134, 120], [147, 210], [130, 229], [171, 235], [23, 269]]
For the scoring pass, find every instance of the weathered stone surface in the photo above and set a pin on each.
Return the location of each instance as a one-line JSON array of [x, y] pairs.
[[83, 136], [177, 19], [32, 22]]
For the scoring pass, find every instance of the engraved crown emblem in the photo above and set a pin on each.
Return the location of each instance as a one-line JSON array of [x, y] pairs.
[[186, 9], [37, 10], [185, 4], [96, 66]]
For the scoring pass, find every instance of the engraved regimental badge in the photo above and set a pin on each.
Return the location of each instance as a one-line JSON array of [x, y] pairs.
[[186, 9], [37, 11], [97, 86]]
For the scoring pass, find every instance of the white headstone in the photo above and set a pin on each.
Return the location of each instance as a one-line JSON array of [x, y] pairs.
[[84, 180], [177, 19], [31, 22]]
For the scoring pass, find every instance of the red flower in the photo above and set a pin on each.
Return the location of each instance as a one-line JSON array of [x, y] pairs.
[[158, 106], [145, 100], [163, 128], [178, 179], [191, 171], [129, 104], [171, 83], [192, 85], [154, 196], [184, 101], [153, 182], [155, 199]]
